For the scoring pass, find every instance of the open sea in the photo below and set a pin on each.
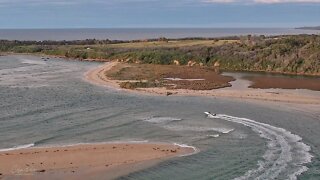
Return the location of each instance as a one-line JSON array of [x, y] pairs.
[[141, 33], [49, 103]]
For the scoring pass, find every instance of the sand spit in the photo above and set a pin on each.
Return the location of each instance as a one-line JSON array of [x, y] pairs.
[[87, 160], [97, 76]]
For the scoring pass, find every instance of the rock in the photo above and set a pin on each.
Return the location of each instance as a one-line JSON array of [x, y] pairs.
[[169, 93], [176, 62], [43, 170], [191, 63]]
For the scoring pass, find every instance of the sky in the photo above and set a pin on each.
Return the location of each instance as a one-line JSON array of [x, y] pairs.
[[20, 14]]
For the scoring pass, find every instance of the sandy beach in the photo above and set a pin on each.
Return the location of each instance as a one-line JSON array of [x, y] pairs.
[[105, 161], [98, 77]]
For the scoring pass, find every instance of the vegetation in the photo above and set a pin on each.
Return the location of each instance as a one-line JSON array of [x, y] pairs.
[[140, 84], [298, 54], [133, 76]]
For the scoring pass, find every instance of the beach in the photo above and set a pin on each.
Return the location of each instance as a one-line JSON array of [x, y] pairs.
[[85, 160], [98, 77]]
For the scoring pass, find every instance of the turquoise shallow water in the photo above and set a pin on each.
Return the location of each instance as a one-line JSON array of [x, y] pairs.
[[48, 103]]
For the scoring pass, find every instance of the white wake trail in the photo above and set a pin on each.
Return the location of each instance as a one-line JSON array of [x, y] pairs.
[[285, 157]]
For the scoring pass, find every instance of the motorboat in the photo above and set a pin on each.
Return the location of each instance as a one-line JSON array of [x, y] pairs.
[[210, 114]]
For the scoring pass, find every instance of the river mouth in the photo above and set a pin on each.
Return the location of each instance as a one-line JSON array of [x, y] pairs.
[[50, 103]]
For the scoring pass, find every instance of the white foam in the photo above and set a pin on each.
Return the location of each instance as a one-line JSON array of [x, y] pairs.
[[29, 61], [195, 150], [285, 155], [17, 147], [227, 131], [161, 119], [213, 135]]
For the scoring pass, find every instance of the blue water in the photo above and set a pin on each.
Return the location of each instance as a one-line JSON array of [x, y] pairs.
[[139, 33], [49, 103]]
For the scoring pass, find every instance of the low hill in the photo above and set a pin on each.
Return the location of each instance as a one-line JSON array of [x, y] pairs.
[[310, 28]]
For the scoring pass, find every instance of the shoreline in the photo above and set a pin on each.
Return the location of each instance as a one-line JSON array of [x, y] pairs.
[[99, 60], [97, 76], [80, 161]]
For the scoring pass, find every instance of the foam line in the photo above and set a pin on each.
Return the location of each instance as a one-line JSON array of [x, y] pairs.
[[17, 147], [195, 150]]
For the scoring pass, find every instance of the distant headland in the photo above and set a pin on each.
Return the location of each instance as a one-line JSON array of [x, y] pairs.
[[310, 28]]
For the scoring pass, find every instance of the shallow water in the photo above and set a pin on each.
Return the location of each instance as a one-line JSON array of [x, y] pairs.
[[48, 103]]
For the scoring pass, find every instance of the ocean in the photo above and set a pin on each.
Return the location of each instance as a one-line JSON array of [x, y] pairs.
[[140, 33], [47, 103]]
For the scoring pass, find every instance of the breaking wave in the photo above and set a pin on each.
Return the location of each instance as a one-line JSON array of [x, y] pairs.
[[197, 128], [195, 150], [285, 157], [17, 147]]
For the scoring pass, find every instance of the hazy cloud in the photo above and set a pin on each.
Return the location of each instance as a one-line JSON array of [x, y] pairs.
[[261, 1], [286, 1], [126, 2]]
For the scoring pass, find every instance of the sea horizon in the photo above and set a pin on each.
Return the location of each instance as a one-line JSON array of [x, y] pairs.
[[58, 34]]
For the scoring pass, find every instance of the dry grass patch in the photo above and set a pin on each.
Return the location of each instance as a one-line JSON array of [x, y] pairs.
[[133, 76]]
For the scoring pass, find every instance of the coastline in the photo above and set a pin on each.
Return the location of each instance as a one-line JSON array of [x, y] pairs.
[[97, 76], [80, 161]]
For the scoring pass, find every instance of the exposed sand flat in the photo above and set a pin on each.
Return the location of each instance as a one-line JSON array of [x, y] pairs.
[[82, 161], [97, 76]]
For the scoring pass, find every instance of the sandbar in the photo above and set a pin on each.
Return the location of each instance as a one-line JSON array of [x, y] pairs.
[[103, 161]]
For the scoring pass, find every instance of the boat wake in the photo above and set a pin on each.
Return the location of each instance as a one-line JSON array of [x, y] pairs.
[[285, 157]]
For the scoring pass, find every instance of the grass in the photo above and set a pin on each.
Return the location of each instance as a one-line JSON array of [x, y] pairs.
[[150, 75], [170, 44]]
